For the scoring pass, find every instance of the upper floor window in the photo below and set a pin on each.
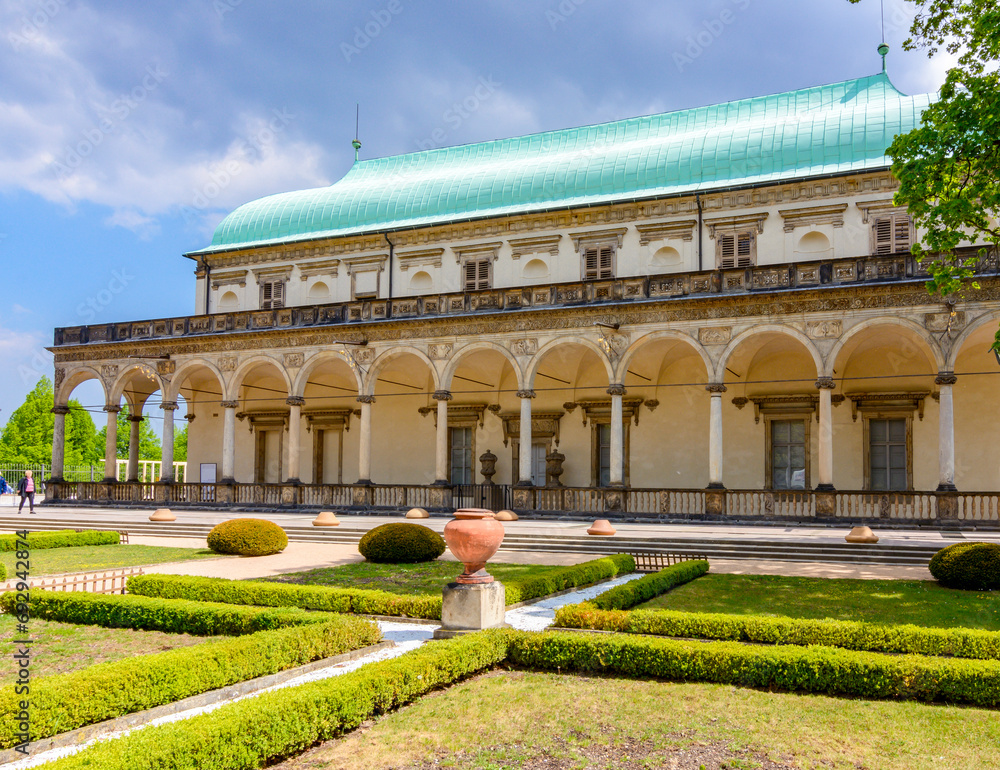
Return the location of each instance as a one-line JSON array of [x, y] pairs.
[[477, 274], [598, 262], [737, 249], [891, 234], [272, 294]]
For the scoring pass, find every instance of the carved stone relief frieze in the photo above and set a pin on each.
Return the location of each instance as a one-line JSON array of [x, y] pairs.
[[820, 330], [524, 347], [940, 322], [439, 351], [228, 363], [715, 335], [109, 371], [294, 360]]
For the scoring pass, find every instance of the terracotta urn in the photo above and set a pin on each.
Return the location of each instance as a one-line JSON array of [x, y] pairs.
[[473, 536]]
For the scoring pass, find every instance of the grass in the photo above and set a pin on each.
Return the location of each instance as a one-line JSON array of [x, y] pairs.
[[60, 647], [52, 561], [923, 603], [535, 720], [427, 578]]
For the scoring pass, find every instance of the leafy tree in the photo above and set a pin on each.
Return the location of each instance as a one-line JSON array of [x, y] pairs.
[[27, 436], [180, 444], [149, 442], [949, 166]]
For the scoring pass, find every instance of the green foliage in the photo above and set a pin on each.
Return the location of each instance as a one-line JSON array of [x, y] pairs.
[[638, 591], [149, 442], [110, 690], [796, 669], [401, 543], [261, 731], [762, 629], [3, 572], [974, 566], [247, 537], [27, 436], [63, 538], [569, 577], [175, 616], [358, 601], [181, 444]]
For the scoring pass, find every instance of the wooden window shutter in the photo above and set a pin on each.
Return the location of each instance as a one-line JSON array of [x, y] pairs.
[[727, 252], [605, 268], [901, 233], [470, 276], [277, 294], [483, 274], [477, 274], [883, 232], [744, 250], [591, 263], [265, 294]]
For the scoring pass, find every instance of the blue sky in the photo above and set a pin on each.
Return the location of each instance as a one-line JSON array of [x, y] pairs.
[[121, 123]]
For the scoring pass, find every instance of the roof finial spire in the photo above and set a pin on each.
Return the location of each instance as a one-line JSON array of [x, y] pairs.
[[883, 49], [356, 144]]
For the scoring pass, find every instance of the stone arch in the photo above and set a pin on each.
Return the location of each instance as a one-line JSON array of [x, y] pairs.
[[75, 377], [454, 362], [634, 348], [233, 387], [989, 319], [188, 367], [536, 361], [738, 340], [123, 378], [936, 355], [387, 356], [311, 363]]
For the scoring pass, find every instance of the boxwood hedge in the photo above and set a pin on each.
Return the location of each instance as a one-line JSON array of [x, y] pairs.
[[645, 588], [175, 616], [108, 690], [569, 577], [63, 538]]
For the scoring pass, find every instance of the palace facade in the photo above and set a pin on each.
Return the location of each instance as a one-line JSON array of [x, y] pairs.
[[705, 312]]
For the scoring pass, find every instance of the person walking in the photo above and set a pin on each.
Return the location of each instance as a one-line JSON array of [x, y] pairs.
[[26, 489]]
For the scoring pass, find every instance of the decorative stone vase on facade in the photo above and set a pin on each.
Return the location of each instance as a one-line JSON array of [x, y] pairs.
[[489, 469], [554, 467], [474, 536]]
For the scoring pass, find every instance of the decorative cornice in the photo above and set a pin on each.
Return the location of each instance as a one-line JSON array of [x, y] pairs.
[[430, 257], [590, 237], [309, 270], [616, 389], [885, 206], [275, 273], [477, 251], [536, 245], [682, 229], [813, 215], [826, 383], [901, 402], [738, 222], [365, 263], [230, 278], [716, 388]]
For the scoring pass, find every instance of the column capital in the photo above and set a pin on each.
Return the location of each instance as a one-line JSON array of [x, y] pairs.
[[168, 406], [826, 383], [229, 404], [616, 389], [60, 410], [716, 388], [366, 399], [441, 395], [945, 378], [136, 418], [112, 408], [525, 394], [295, 401]]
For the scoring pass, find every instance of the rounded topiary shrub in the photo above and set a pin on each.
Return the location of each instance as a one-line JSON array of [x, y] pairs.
[[247, 537], [974, 566], [401, 543]]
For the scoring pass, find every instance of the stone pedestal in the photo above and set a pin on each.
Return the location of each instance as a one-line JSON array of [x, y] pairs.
[[466, 609]]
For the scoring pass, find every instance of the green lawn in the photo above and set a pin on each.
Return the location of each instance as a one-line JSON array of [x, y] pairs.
[[60, 647], [427, 578], [543, 720], [923, 603], [52, 561]]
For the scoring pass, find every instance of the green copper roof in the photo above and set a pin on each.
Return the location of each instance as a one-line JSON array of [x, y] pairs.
[[823, 130]]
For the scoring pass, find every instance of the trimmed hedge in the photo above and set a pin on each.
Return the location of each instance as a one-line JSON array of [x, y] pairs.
[[401, 543], [63, 538], [849, 635], [326, 598], [569, 577], [363, 601], [247, 537], [108, 690], [3, 572], [972, 566], [264, 730], [175, 616], [642, 590], [794, 669]]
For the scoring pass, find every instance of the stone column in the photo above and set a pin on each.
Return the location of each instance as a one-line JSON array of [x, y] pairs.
[[825, 386], [167, 453], [135, 423], [441, 448], [946, 432], [295, 404], [524, 464], [229, 442], [365, 459], [617, 472], [111, 443], [716, 389], [58, 442]]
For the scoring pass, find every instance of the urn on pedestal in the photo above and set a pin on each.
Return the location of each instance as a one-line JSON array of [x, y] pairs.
[[474, 536]]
